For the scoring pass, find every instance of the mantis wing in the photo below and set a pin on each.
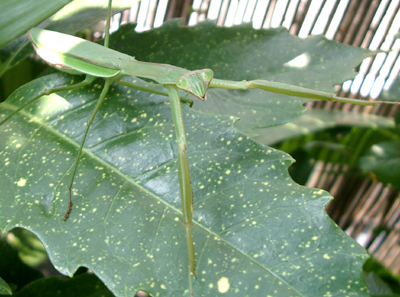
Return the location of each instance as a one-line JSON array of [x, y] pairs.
[[76, 56]]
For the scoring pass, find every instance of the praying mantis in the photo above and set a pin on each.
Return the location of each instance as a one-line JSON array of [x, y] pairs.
[[98, 61]]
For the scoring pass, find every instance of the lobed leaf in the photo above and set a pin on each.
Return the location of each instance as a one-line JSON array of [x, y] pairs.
[[256, 232]]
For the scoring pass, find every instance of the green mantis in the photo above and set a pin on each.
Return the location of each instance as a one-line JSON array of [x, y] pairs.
[[112, 65]]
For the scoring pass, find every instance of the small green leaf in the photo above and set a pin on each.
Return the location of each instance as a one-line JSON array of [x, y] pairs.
[[383, 160], [393, 94], [316, 120], [4, 288], [377, 287]]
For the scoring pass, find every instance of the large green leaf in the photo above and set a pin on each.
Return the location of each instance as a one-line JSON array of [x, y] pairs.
[[17, 16], [256, 232], [242, 52]]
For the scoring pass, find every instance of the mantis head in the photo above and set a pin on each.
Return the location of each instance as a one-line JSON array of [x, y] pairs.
[[196, 82]]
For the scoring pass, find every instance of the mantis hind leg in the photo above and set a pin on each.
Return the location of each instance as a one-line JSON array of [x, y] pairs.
[[89, 122], [88, 80]]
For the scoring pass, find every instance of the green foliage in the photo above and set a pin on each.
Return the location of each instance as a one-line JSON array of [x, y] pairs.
[[26, 281], [79, 286], [4, 288], [381, 281], [241, 53], [74, 17], [19, 15], [14, 273], [379, 158], [372, 150], [256, 232]]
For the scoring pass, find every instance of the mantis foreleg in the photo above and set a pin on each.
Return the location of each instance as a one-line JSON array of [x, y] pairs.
[[91, 118], [286, 89], [184, 177]]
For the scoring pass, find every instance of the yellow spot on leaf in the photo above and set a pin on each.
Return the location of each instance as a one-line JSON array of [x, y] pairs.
[[223, 285], [21, 182]]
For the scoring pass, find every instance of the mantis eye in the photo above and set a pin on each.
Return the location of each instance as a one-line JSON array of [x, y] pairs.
[[207, 74], [183, 83]]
